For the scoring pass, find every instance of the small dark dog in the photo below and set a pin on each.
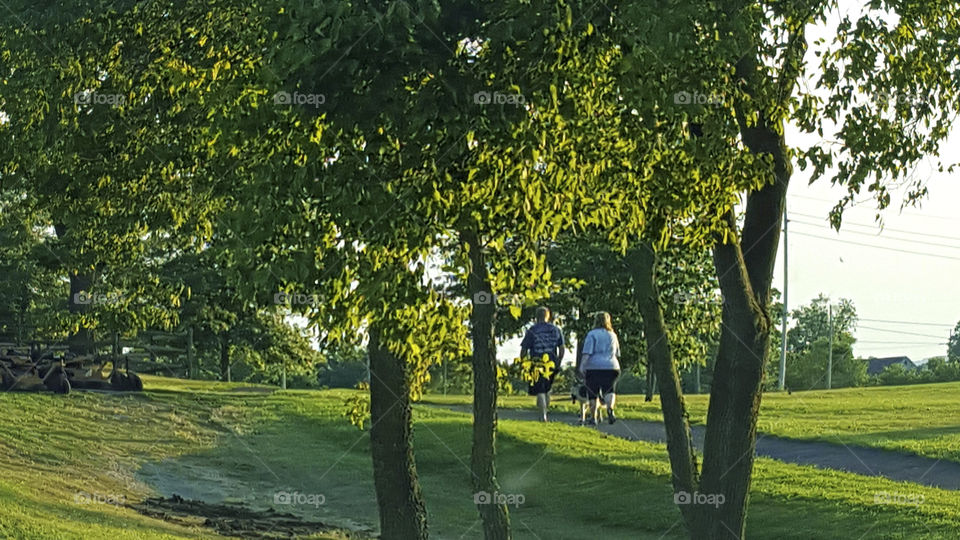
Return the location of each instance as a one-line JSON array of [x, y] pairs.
[[580, 394]]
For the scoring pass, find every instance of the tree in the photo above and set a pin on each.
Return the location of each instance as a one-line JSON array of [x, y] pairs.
[[942, 370], [339, 228], [752, 56], [812, 322], [808, 344], [31, 289], [107, 134], [807, 370], [897, 374]]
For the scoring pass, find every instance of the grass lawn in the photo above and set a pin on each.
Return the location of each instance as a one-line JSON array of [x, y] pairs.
[[66, 459], [922, 419]]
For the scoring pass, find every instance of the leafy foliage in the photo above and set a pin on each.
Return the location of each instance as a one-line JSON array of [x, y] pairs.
[[953, 345]]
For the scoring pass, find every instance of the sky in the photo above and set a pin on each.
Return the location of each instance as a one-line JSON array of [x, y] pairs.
[[902, 279]]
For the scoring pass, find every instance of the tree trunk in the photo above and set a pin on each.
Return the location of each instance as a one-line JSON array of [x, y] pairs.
[[745, 277], [403, 515], [683, 459], [651, 378], [495, 517], [224, 357], [79, 301]]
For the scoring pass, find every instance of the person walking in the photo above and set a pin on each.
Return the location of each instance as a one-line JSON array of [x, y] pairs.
[[600, 365], [543, 338]]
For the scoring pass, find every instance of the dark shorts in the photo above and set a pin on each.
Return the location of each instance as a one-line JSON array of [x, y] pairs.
[[543, 384], [601, 381]]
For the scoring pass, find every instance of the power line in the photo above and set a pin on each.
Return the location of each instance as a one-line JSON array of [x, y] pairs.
[[911, 240], [879, 247], [897, 332], [905, 322], [900, 342], [876, 227], [903, 211]]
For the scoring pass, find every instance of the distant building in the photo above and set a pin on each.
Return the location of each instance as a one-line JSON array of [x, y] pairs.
[[876, 365]]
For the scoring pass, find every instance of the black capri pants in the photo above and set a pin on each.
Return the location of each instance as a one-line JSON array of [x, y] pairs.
[[600, 381]]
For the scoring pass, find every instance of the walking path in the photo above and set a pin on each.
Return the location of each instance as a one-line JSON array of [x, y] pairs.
[[842, 457]]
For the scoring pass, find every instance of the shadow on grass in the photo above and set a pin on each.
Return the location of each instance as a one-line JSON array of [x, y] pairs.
[[562, 482], [918, 433]]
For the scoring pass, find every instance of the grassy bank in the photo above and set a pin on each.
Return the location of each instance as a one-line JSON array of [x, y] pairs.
[[920, 419], [71, 465]]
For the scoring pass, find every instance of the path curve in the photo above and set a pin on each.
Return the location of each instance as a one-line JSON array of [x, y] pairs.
[[842, 457]]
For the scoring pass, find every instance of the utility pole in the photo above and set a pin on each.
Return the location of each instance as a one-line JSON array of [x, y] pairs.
[[782, 382], [830, 350], [949, 343]]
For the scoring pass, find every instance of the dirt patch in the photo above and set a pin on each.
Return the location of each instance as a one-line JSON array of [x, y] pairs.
[[236, 520]]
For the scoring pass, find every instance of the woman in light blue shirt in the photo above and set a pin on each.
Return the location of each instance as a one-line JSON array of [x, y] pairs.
[[600, 365]]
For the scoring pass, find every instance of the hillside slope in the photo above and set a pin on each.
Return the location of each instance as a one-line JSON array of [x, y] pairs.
[[266, 463]]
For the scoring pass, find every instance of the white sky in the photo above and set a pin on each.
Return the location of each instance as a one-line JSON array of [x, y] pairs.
[[877, 269], [884, 273]]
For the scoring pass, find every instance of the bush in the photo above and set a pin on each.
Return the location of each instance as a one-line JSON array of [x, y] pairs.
[[897, 374], [631, 383], [808, 370], [942, 370]]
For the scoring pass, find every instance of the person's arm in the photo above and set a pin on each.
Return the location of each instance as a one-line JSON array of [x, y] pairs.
[[616, 346], [560, 347], [588, 345], [526, 344]]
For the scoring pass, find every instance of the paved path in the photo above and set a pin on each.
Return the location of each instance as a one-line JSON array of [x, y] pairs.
[[856, 459]]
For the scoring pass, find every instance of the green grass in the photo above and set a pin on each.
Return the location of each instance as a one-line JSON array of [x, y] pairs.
[[920, 419], [220, 443]]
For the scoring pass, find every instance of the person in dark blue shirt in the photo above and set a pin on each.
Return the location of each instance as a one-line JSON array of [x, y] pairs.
[[543, 338]]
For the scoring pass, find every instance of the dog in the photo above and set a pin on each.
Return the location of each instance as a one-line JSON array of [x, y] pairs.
[[579, 394]]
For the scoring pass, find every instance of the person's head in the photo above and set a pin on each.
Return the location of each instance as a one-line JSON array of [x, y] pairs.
[[602, 320], [543, 314]]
